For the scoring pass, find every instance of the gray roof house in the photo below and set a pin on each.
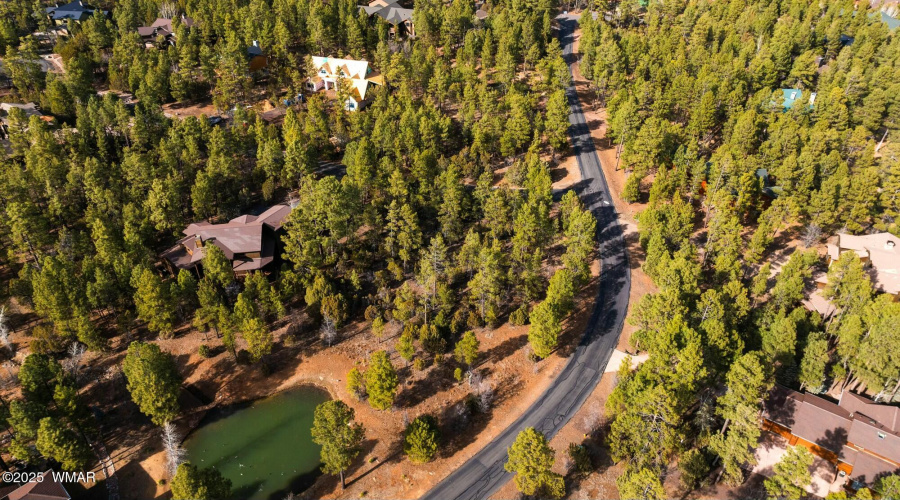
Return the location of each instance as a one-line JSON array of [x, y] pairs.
[[390, 10], [73, 11]]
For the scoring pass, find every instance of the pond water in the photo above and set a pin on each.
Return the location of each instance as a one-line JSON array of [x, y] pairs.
[[264, 447]]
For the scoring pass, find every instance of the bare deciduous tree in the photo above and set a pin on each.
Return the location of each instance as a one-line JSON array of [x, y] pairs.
[[168, 10], [461, 415], [328, 332], [73, 362], [175, 454], [482, 390], [811, 235], [4, 330], [593, 418], [485, 396]]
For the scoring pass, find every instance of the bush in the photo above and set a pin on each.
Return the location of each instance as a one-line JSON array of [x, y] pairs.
[[46, 340], [694, 469], [203, 351], [371, 313], [474, 321], [632, 191], [458, 374], [519, 317], [459, 321], [356, 384], [421, 439], [419, 364], [580, 458], [378, 327], [335, 307]]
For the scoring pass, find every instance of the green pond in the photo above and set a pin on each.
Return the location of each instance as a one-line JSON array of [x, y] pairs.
[[264, 447]]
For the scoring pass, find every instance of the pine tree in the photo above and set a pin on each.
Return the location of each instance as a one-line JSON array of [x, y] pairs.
[[433, 270], [335, 430], [209, 302], [61, 444], [543, 334], [792, 474], [849, 287], [531, 459], [405, 346], [153, 381], [557, 121], [889, 486], [466, 350], [748, 381], [484, 287], [258, 338], [381, 381], [193, 483], [580, 234], [38, 376], [453, 204], [641, 484], [646, 433], [356, 384], [815, 358], [409, 236], [216, 265], [421, 439]]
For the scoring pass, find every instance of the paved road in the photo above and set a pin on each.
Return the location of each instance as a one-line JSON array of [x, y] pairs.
[[483, 474]]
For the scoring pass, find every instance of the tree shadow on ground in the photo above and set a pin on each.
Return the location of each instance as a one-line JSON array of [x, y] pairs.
[[135, 482], [600, 460], [393, 454], [459, 427], [504, 349], [437, 380]]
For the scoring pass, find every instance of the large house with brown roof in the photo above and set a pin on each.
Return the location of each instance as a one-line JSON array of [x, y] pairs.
[[249, 241], [163, 29], [860, 437]]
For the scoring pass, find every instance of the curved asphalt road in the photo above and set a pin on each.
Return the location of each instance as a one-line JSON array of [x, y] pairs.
[[483, 474]]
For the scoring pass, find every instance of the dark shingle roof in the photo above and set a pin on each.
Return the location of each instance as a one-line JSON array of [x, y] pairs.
[[76, 10], [870, 428], [242, 235], [47, 489]]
